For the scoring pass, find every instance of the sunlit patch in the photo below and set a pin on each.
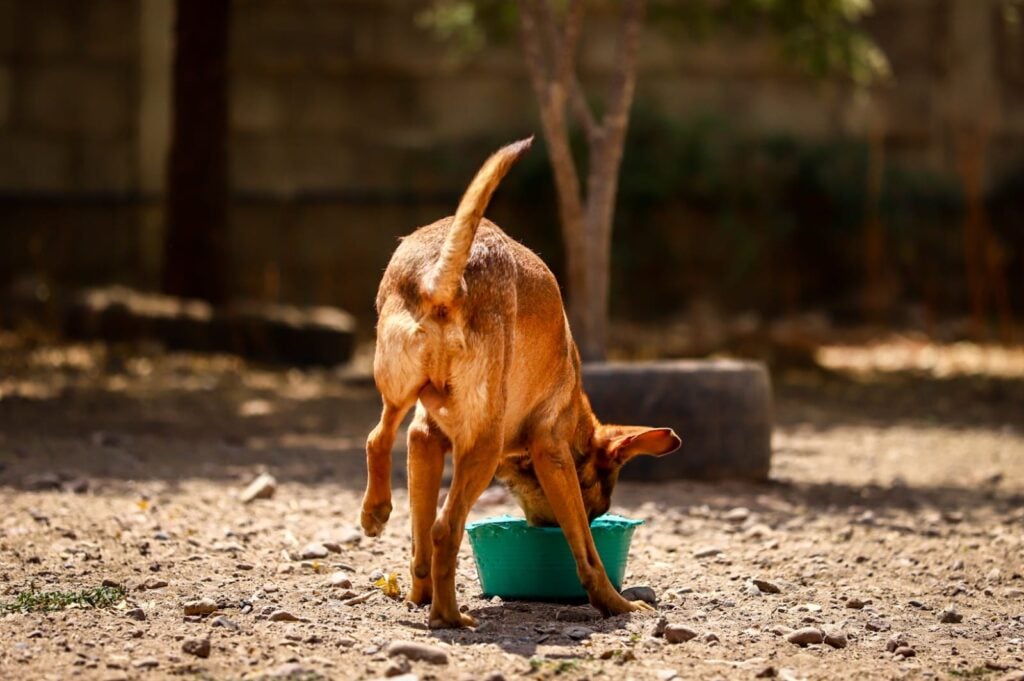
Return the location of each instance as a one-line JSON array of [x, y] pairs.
[[251, 408], [939, 360]]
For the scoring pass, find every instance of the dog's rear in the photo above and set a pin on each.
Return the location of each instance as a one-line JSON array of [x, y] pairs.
[[421, 334]]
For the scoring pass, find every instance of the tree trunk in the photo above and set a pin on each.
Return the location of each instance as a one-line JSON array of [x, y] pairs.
[[586, 224], [195, 245]]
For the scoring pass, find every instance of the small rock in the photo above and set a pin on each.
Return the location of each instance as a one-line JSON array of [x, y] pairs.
[[836, 639], [204, 606], [855, 603], [151, 584], [332, 546], [877, 625], [667, 674], [313, 550], [495, 676], [340, 579], [896, 640], [200, 647], [222, 621], [711, 637], [766, 673], [806, 636], [641, 593], [764, 586], [137, 614], [146, 663], [950, 616], [282, 616], [418, 652], [399, 666], [577, 633], [737, 515], [263, 487], [707, 552], [678, 633], [905, 651], [659, 626]]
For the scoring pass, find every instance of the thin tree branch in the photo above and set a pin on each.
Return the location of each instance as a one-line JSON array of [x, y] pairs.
[[623, 83], [564, 48]]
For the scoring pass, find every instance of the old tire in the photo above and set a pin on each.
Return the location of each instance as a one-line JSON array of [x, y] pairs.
[[721, 409]]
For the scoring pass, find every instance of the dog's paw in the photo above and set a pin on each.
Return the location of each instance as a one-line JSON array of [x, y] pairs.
[[620, 606], [460, 621], [375, 517], [420, 593]]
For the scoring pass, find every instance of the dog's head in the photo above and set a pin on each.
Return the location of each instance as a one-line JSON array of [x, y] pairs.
[[609, 450], [597, 465]]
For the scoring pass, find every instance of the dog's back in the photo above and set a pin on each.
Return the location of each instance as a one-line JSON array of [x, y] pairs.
[[505, 324]]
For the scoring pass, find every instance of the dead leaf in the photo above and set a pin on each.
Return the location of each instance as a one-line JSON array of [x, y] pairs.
[[389, 585]]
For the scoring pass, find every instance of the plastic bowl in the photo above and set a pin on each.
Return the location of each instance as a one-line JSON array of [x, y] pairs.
[[515, 560]]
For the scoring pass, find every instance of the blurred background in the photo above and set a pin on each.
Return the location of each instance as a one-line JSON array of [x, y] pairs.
[[845, 162]]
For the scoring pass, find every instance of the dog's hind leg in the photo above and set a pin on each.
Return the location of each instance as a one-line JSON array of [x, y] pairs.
[[427, 447], [377, 500], [474, 469]]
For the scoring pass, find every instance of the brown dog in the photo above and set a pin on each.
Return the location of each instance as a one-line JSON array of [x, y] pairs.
[[472, 328]]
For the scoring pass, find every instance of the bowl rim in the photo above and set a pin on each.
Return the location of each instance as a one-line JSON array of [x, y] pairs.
[[609, 521]]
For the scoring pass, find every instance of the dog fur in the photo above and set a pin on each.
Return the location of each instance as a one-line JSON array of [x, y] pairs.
[[473, 334]]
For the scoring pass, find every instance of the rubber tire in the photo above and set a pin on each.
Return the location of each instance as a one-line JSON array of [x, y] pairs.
[[722, 410]]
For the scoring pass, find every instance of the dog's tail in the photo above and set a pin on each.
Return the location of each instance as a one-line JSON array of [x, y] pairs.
[[442, 284]]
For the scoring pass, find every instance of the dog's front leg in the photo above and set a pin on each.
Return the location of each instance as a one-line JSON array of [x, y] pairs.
[[557, 475], [474, 468]]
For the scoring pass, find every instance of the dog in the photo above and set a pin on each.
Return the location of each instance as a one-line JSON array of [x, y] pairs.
[[472, 333]]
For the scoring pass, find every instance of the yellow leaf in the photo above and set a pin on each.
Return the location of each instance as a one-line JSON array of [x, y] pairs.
[[389, 585], [143, 504]]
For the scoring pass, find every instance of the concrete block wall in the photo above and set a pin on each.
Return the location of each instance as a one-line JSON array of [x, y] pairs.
[[68, 96]]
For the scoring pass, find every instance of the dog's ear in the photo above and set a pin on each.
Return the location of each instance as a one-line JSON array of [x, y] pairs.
[[624, 443]]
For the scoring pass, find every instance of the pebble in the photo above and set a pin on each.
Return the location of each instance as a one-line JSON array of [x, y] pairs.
[[146, 663], [764, 586], [313, 550], [151, 584], [905, 651], [404, 677], [137, 614], [577, 633], [418, 652], [950, 616], [877, 625], [641, 593], [340, 579], [678, 633], [200, 647], [896, 640], [707, 552], [495, 676], [399, 666], [282, 616], [204, 606], [737, 515], [766, 673], [805, 636], [659, 626], [855, 603], [263, 487], [222, 621], [836, 639]]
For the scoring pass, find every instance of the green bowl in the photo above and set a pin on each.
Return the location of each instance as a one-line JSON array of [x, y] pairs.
[[515, 560]]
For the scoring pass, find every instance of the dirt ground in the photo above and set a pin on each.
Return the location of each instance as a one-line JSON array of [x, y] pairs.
[[897, 486]]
